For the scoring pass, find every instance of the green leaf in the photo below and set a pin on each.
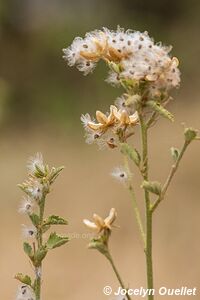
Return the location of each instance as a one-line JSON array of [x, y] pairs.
[[56, 240], [132, 153], [175, 153], [28, 249], [45, 228], [25, 279], [40, 255], [55, 220], [35, 219], [160, 109], [152, 186]]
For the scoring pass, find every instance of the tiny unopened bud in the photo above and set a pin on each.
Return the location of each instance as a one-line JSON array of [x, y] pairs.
[[190, 134]]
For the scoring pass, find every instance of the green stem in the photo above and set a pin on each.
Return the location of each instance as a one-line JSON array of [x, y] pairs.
[[38, 269], [148, 244], [135, 205], [109, 257], [137, 214], [170, 177]]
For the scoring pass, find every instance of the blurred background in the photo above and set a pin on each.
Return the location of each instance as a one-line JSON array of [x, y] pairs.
[[41, 100]]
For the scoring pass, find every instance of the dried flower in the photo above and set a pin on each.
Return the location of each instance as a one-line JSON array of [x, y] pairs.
[[104, 121], [100, 224], [138, 57], [106, 133]]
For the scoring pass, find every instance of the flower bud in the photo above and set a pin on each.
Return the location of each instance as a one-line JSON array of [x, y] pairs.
[[190, 134]]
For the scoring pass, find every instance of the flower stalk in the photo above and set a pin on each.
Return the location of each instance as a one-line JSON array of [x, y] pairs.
[[147, 72], [148, 212]]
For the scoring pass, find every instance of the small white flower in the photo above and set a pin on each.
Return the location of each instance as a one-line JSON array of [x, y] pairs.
[[25, 293], [26, 206], [34, 161], [28, 231], [120, 174], [35, 190]]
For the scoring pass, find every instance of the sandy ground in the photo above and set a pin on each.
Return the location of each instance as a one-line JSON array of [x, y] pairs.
[[74, 272]]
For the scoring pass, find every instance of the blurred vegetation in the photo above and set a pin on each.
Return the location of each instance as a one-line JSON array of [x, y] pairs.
[[37, 86]]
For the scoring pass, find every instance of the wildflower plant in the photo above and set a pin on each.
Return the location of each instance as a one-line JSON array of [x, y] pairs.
[[38, 243], [147, 72]]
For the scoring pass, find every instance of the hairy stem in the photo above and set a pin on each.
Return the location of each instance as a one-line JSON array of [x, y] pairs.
[[109, 257], [148, 244], [170, 177], [38, 269]]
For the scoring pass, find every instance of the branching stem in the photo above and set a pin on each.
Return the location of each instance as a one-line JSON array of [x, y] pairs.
[[148, 243], [170, 177]]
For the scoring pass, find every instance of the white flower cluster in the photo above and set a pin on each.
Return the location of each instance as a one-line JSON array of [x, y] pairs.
[[136, 54], [25, 293]]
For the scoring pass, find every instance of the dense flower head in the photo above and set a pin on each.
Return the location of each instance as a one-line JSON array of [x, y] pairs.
[[131, 55]]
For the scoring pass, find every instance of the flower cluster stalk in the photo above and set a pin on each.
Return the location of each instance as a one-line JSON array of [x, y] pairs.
[[148, 244], [147, 72]]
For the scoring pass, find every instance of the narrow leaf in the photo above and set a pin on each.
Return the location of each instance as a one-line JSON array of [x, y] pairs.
[[160, 109], [54, 174]]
